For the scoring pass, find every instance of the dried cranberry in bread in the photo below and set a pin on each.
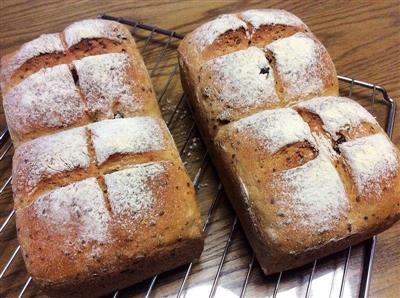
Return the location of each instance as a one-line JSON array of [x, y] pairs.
[[307, 172], [102, 198]]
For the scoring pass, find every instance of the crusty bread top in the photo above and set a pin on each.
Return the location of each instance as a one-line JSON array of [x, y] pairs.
[[105, 81], [79, 204], [60, 43], [106, 224], [50, 98], [44, 44], [262, 17], [129, 135], [89, 29], [368, 154], [317, 164], [270, 132], [251, 21], [98, 75], [337, 113], [206, 34], [303, 66], [242, 80], [372, 162], [312, 195], [47, 98], [129, 192], [370, 157], [58, 159], [243, 63], [48, 156]]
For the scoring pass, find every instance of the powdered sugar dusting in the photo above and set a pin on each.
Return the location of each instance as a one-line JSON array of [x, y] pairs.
[[44, 44], [76, 207], [129, 191], [104, 82], [259, 17], [337, 112], [128, 135], [47, 98], [242, 79], [93, 28], [298, 64], [206, 34], [50, 155], [370, 159], [275, 128], [314, 193]]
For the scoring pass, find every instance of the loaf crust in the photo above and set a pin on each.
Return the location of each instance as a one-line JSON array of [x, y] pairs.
[[224, 73], [103, 76], [101, 195], [97, 250], [300, 165], [300, 197]]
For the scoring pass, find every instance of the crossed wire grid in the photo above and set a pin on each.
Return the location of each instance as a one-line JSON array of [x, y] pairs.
[[173, 36]]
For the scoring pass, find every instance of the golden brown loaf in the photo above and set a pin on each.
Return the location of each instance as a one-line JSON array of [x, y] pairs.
[[307, 172], [102, 198]]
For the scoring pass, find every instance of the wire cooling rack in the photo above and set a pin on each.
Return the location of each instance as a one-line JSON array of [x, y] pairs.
[[227, 267]]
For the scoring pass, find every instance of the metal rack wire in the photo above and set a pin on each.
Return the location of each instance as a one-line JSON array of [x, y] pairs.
[[378, 94]]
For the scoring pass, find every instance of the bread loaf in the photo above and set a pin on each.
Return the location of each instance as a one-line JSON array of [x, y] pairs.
[[102, 198], [307, 172]]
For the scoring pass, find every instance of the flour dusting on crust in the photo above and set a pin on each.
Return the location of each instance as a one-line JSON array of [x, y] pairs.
[[207, 33], [313, 193], [298, 63], [370, 159], [105, 83], [48, 156], [44, 44], [337, 113], [275, 128], [324, 145], [93, 28], [79, 208], [129, 191], [241, 80], [128, 135], [260, 17], [48, 98]]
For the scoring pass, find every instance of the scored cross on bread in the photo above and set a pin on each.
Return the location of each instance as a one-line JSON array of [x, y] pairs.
[[101, 195], [249, 67], [98, 75], [74, 154], [308, 173], [110, 231], [311, 171]]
